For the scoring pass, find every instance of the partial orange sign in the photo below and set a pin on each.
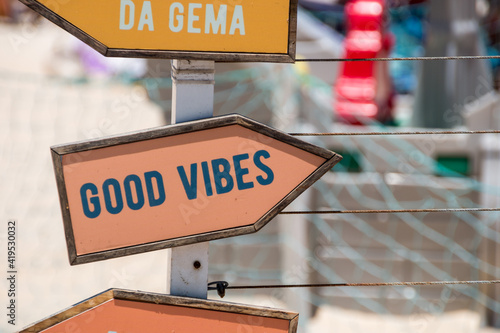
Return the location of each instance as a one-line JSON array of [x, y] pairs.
[[122, 311], [229, 30], [179, 185]]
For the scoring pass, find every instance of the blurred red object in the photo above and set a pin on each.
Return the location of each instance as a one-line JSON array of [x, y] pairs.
[[363, 89], [5, 8]]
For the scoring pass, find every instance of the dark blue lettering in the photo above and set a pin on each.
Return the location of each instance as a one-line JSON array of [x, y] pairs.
[[148, 176], [138, 190], [206, 177], [267, 170], [91, 214], [240, 172], [190, 188], [111, 182], [219, 175]]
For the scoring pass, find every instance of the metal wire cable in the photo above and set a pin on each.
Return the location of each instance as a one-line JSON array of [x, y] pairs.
[[487, 57], [396, 133], [392, 211], [374, 284]]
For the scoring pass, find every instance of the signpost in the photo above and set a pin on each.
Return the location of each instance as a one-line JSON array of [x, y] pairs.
[[183, 184], [188, 265], [120, 311], [217, 30], [179, 184]]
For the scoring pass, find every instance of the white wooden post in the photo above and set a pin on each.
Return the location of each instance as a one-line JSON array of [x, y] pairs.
[[295, 257], [192, 99], [490, 198]]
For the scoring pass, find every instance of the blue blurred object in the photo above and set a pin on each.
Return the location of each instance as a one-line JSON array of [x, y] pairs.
[[407, 26]]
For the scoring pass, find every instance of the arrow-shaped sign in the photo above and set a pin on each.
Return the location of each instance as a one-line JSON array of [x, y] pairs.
[[179, 184], [121, 311], [220, 30]]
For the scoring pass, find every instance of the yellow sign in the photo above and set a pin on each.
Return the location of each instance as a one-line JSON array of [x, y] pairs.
[[230, 30]]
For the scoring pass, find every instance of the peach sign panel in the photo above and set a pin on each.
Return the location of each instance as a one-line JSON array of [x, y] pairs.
[[180, 185], [124, 316]]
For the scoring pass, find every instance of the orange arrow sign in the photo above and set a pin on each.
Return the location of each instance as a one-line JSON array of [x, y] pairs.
[[179, 184], [120, 311], [226, 30]]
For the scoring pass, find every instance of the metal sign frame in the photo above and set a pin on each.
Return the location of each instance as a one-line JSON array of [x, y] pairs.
[[59, 151], [162, 299], [288, 57]]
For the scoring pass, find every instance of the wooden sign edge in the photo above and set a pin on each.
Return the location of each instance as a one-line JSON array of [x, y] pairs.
[[188, 127], [288, 57], [158, 245], [171, 130], [66, 25], [70, 312], [304, 185], [63, 202], [204, 55], [163, 299]]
